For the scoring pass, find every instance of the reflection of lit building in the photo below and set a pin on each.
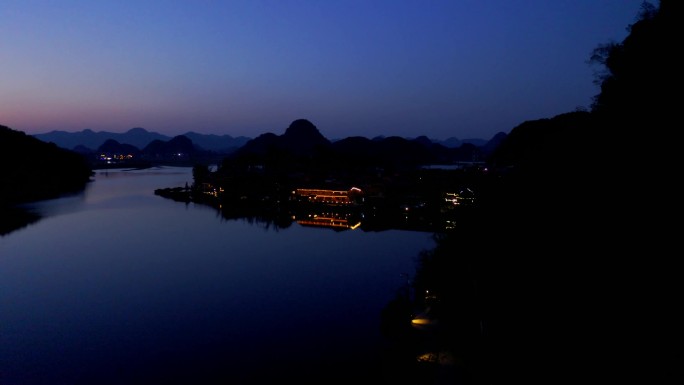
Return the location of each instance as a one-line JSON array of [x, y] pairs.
[[330, 197], [332, 220]]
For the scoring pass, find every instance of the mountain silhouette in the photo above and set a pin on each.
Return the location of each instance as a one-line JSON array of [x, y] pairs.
[[303, 142], [301, 138], [89, 140]]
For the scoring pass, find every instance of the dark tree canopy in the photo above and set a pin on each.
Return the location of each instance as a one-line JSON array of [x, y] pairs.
[[641, 72], [568, 259]]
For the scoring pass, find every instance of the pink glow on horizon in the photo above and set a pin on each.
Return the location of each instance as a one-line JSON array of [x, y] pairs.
[[444, 69]]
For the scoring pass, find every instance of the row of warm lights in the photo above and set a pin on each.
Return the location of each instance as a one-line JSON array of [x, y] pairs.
[[115, 157], [329, 199], [308, 191]]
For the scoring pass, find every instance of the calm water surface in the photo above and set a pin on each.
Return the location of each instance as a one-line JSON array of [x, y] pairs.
[[119, 286]]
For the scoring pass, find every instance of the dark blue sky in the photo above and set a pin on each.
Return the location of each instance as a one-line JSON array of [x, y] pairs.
[[442, 68]]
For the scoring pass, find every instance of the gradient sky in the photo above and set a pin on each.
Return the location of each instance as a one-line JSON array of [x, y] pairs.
[[452, 68]]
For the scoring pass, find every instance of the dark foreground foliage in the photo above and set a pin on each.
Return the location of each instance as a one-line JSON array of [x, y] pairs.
[[567, 274]]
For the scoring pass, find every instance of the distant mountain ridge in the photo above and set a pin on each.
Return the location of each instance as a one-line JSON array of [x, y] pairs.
[[303, 141], [138, 137]]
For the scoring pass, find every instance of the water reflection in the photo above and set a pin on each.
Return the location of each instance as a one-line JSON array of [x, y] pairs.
[[281, 214], [122, 286], [143, 281], [332, 220]]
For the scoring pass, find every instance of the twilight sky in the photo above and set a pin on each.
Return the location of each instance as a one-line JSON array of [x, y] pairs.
[[441, 68]]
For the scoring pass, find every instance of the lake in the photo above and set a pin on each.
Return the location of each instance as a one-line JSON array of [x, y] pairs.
[[119, 286]]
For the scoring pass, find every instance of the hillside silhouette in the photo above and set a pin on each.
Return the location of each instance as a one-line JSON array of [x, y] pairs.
[[33, 170], [304, 148], [565, 274]]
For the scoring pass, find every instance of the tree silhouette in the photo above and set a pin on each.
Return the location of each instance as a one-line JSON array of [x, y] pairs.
[[568, 266], [200, 174]]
